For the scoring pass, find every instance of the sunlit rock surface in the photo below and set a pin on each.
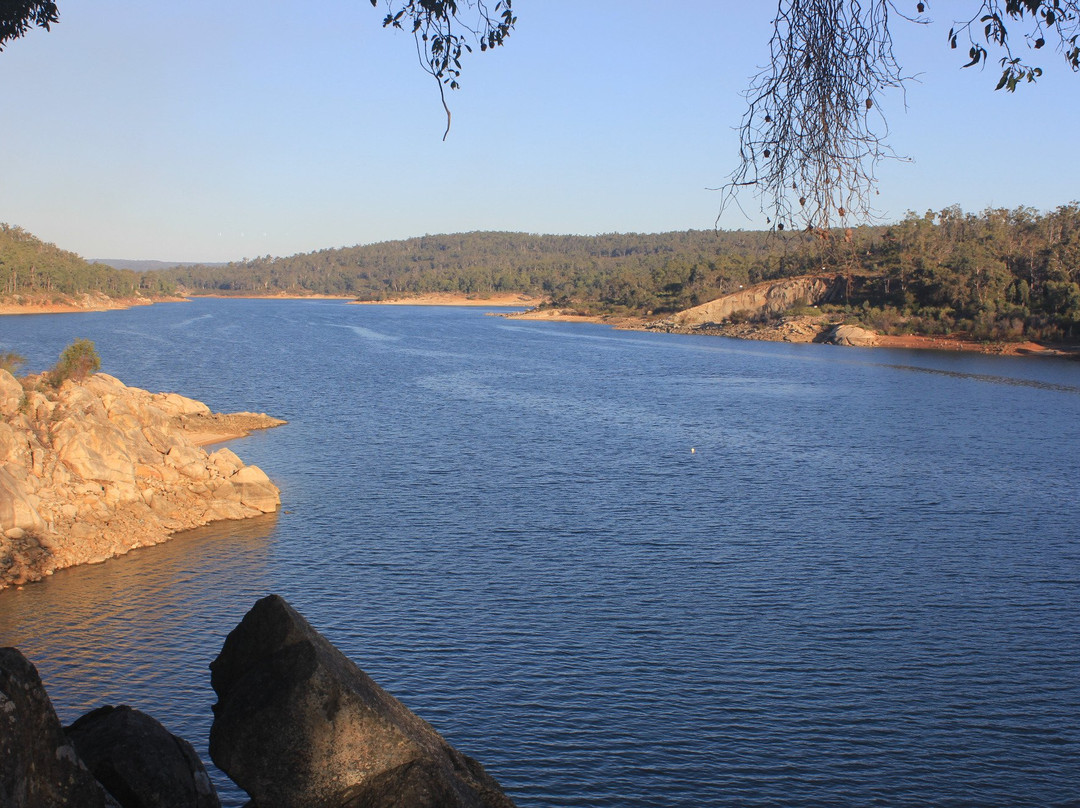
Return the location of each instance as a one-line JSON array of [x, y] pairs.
[[852, 335], [97, 468]]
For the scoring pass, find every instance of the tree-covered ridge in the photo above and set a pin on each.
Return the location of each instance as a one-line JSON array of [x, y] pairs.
[[29, 266], [635, 272], [997, 274]]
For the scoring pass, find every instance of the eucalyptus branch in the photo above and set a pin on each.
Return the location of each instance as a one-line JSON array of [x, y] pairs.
[[1058, 19], [444, 29]]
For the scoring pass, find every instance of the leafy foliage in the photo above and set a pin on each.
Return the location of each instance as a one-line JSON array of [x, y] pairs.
[[77, 361], [614, 272], [1058, 19], [443, 30], [12, 362], [19, 16]]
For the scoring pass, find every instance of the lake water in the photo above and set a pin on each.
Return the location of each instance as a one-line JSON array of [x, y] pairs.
[[619, 568]]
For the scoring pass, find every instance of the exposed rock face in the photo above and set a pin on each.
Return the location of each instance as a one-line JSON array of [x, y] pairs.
[[298, 724], [97, 468], [772, 297], [849, 335], [38, 766], [140, 762]]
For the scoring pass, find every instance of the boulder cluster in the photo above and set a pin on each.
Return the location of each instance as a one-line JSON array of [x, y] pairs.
[[95, 468], [297, 725]]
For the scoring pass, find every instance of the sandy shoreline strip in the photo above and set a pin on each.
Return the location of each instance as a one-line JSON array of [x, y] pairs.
[[452, 299], [952, 343], [199, 296], [9, 307], [532, 312]]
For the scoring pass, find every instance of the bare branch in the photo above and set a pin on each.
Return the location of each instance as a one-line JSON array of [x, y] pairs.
[[813, 133]]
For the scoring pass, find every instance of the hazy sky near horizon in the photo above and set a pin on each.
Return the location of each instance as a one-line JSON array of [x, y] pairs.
[[209, 131]]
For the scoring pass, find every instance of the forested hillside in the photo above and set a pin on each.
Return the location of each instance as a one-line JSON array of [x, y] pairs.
[[997, 274], [29, 266], [636, 272]]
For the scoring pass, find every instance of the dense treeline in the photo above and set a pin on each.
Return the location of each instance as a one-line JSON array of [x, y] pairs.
[[634, 272], [997, 274], [29, 266]]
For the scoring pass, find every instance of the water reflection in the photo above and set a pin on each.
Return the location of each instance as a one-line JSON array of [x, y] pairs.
[[861, 588], [99, 634]]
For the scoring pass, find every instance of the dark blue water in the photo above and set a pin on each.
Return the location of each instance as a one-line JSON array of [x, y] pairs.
[[621, 569]]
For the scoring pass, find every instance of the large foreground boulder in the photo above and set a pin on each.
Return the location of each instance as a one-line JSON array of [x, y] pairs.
[[140, 762], [298, 725], [38, 766]]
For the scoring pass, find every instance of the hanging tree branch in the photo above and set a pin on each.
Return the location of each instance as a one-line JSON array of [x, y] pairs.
[[444, 29], [813, 133], [1058, 19]]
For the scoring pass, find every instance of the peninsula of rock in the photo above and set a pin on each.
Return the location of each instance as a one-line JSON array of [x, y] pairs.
[[94, 469]]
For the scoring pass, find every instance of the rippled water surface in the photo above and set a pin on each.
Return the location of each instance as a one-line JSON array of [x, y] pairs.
[[621, 569]]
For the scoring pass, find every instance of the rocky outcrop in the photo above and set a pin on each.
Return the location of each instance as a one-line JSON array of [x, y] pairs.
[[55, 303], [771, 297], [298, 724], [97, 468], [38, 766], [139, 762], [851, 335]]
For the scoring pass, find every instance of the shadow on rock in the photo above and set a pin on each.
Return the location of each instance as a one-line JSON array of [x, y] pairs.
[[298, 724]]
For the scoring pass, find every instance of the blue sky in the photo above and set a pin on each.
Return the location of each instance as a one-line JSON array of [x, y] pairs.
[[214, 131]]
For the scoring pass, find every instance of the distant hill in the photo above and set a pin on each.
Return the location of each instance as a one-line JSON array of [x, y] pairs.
[[658, 272], [1001, 274], [30, 266], [148, 265]]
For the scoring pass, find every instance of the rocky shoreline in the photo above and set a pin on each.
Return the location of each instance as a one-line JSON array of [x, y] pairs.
[[822, 329], [95, 468], [85, 302], [803, 329], [297, 724]]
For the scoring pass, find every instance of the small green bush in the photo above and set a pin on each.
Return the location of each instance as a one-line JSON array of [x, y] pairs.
[[741, 316], [77, 361], [12, 362], [803, 309]]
